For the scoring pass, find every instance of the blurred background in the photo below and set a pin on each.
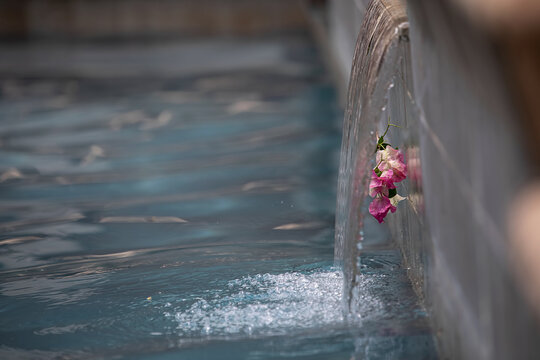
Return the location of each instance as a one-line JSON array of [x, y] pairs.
[[186, 144], [122, 19]]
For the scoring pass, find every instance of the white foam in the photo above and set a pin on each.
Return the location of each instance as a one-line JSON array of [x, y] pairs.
[[267, 304]]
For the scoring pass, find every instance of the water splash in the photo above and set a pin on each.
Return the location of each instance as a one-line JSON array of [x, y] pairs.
[[269, 304]]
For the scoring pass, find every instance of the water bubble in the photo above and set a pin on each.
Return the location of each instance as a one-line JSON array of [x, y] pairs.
[[267, 304]]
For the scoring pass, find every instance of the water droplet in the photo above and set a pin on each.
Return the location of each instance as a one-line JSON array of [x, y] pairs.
[[267, 304]]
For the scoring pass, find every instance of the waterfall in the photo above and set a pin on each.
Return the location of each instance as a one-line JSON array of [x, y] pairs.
[[377, 53]]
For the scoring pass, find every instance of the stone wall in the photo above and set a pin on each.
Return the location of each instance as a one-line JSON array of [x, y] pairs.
[[106, 19], [462, 138]]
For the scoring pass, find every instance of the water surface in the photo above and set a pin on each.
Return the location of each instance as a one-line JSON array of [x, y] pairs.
[[184, 214]]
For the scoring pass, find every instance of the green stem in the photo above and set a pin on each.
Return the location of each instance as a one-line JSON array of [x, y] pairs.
[[388, 127], [385, 131]]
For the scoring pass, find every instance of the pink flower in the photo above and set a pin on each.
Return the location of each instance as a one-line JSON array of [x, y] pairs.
[[381, 184], [391, 164], [379, 208], [390, 169]]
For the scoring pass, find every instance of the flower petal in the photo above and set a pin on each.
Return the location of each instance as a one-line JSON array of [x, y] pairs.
[[396, 199], [379, 208], [391, 159], [381, 184]]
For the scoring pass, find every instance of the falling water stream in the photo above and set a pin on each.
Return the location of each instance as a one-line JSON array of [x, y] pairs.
[[374, 65], [189, 213]]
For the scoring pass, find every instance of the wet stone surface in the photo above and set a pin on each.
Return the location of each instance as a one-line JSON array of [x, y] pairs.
[[171, 213]]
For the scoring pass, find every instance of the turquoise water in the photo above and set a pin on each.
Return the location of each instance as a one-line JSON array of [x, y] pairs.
[[186, 217]]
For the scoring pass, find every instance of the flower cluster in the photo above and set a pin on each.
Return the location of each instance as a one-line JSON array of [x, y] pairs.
[[390, 170]]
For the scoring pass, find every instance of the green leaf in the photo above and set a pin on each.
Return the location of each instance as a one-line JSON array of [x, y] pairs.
[[377, 171], [392, 193], [381, 140]]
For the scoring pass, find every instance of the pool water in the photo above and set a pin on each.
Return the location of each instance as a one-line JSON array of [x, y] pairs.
[[184, 212]]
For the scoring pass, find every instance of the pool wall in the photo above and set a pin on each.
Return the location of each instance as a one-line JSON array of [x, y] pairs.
[[463, 140], [141, 19]]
